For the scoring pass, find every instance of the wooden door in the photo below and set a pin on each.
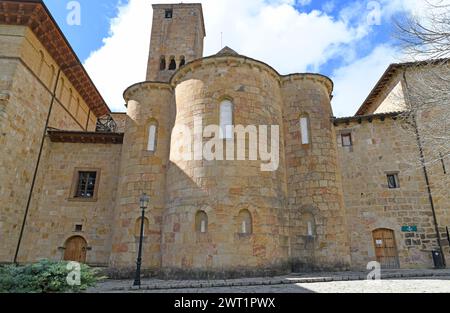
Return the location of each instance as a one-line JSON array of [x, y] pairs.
[[386, 248], [76, 248]]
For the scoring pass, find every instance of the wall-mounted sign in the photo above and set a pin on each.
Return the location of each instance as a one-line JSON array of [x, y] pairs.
[[409, 229]]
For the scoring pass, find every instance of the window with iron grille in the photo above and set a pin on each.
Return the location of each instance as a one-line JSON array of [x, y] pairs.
[[86, 185], [393, 181]]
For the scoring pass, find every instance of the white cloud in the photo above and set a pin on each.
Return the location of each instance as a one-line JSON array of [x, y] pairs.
[[354, 82], [304, 2], [272, 31], [328, 6]]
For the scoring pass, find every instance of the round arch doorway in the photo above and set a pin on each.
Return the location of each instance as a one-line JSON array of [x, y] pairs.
[[75, 249]]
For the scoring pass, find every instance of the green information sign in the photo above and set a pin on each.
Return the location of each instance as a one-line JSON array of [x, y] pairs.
[[409, 229]]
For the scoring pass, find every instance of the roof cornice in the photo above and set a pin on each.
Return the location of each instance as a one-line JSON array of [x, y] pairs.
[[230, 58], [369, 118], [85, 137]]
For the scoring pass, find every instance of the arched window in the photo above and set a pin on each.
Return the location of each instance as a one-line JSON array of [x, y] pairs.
[[226, 120], [245, 223], [162, 63], [305, 130], [182, 61], [201, 222], [173, 64], [137, 227], [152, 136]]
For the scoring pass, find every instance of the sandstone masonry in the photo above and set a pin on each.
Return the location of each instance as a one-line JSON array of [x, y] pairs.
[[323, 208]]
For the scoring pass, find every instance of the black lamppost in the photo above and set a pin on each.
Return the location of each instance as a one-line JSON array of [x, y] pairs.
[[144, 200]]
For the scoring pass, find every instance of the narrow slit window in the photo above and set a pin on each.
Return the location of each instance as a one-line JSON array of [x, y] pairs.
[[245, 223], [203, 227], [226, 120], [304, 129], [151, 145], [201, 222], [310, 229]]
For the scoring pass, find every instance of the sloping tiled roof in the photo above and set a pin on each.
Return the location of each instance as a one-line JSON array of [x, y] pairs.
[[370, 118], [35, 15]]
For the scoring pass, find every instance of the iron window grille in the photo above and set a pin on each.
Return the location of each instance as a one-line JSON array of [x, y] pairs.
[[393, 181], [86, 185]]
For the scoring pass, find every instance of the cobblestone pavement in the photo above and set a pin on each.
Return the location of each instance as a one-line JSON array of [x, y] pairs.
[[404, 281]]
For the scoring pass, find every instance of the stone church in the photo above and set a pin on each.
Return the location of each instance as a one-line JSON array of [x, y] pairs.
[[345, 192]]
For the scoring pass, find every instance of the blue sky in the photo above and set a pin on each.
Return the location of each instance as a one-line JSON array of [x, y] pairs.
[[96, 16], [337, 38]]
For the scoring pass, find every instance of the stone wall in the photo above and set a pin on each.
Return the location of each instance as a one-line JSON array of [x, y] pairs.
[[222, 189], [70, 111], [26, 84], [382, 147], [425, 87], [313, 177], [55, 212], [21, 127], [143, 171], [176, 37]]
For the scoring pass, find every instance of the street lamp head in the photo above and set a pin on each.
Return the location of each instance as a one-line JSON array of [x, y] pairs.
[[144, 200]]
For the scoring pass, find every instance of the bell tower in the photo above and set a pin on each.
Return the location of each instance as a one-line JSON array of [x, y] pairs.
[[178, 31]]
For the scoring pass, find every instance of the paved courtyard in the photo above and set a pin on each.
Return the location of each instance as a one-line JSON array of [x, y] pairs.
[[406, 281], [388, 286]]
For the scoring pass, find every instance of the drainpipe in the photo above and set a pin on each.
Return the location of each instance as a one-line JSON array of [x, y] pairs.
[[33, 183], [425, 171]]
